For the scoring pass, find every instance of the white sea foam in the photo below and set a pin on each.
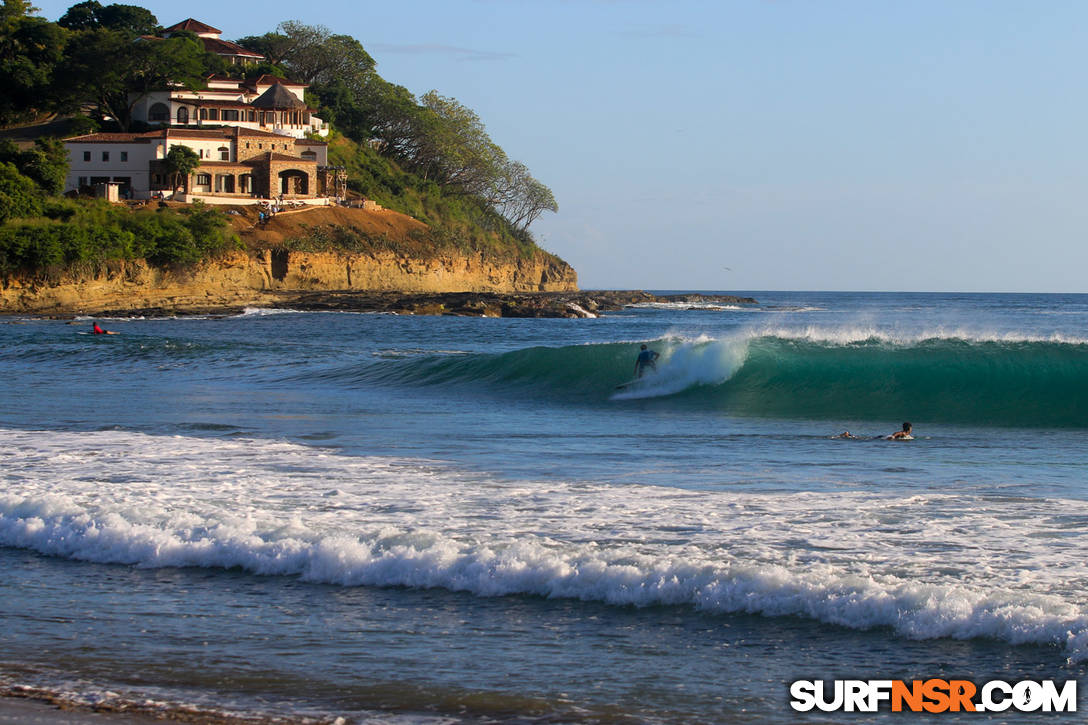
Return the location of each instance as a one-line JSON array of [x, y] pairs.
[[266, 311], [687, 362], [926, 566], [852, 334], [691, 306]]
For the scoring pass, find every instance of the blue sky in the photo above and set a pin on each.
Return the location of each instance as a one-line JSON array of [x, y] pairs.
[[762, 145]]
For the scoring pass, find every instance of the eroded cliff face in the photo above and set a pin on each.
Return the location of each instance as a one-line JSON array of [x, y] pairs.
[[254, 278]]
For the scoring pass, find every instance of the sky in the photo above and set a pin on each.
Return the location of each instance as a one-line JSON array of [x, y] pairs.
[[760, 144]]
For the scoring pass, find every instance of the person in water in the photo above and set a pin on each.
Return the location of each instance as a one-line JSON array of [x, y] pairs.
[[903, 434], [646, 359], [99, 331]]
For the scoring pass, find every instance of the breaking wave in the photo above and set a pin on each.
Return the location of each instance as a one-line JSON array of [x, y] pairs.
[[825, 375], [859, 560]]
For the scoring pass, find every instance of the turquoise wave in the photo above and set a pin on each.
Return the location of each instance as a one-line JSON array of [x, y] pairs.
[[947, 380]]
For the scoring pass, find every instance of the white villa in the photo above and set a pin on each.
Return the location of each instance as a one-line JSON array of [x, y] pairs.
[[267, 104], [238, 165], [255, 139]]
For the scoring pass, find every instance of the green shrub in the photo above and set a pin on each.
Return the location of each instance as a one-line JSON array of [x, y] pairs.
[[19, 196], [70, 232]]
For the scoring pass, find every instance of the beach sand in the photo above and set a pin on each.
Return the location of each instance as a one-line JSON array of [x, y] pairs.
[[27, 711]]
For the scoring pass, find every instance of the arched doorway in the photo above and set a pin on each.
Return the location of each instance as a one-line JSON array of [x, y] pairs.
[[158, 113], [294, 182]]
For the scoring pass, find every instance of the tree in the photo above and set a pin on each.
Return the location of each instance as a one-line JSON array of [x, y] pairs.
[[455, 149], [520, 198], [180, 162], [46, 164], [312, 55], [109, 69], [92, 15], [19, 196], [30, 49], [275, 47]]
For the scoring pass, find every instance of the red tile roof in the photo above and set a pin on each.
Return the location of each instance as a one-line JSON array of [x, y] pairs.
[[117, 137], [209, 102], [262, 134], [225, 47], [179, 133], [192, 26], [268, 79], [272, 156]]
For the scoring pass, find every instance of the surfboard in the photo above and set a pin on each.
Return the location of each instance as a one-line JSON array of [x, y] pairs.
[[629, 383]]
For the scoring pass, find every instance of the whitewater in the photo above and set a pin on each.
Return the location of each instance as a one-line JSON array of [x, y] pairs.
[[434, 519]]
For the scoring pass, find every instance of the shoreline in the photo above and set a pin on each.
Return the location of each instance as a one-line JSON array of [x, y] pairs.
[[24, 705], [456, 304]]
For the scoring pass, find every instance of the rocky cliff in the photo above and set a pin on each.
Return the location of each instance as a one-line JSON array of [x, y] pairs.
[[268, 269], [259, 277]]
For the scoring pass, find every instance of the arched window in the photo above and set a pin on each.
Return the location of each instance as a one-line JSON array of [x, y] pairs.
[[183, 115], [224, 153], [158, 113]]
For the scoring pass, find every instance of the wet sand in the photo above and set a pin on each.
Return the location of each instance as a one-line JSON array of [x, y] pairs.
[[26, 711]]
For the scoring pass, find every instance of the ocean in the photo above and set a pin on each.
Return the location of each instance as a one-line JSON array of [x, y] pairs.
[[445, 519]]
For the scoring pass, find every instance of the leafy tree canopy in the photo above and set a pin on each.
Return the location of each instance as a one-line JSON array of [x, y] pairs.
[[19, 196], [30, 49], [46, 164], [312, 54], [91, 15], [110, 70], [180, 162]]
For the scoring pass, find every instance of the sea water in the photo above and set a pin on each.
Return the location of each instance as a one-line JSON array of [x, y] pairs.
[[435, 519]]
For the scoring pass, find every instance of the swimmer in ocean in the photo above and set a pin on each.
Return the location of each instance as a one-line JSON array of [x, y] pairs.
[[902, 435]]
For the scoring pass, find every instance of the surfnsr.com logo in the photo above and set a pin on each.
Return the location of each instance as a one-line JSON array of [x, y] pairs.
[[934, 695]]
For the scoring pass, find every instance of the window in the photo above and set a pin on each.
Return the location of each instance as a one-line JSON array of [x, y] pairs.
[[213, 114], [201, 153], [230, 115], [252, 116], [183, 115], [82, 181], [124, 156], [86, 155], [224, 153], [309, 156], [247, 144], [105, 155], [203, 114], [158, 113], [260, 145], [203, 179]]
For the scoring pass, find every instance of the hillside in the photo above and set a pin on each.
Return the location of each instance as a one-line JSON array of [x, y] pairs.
[[454, 212]]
